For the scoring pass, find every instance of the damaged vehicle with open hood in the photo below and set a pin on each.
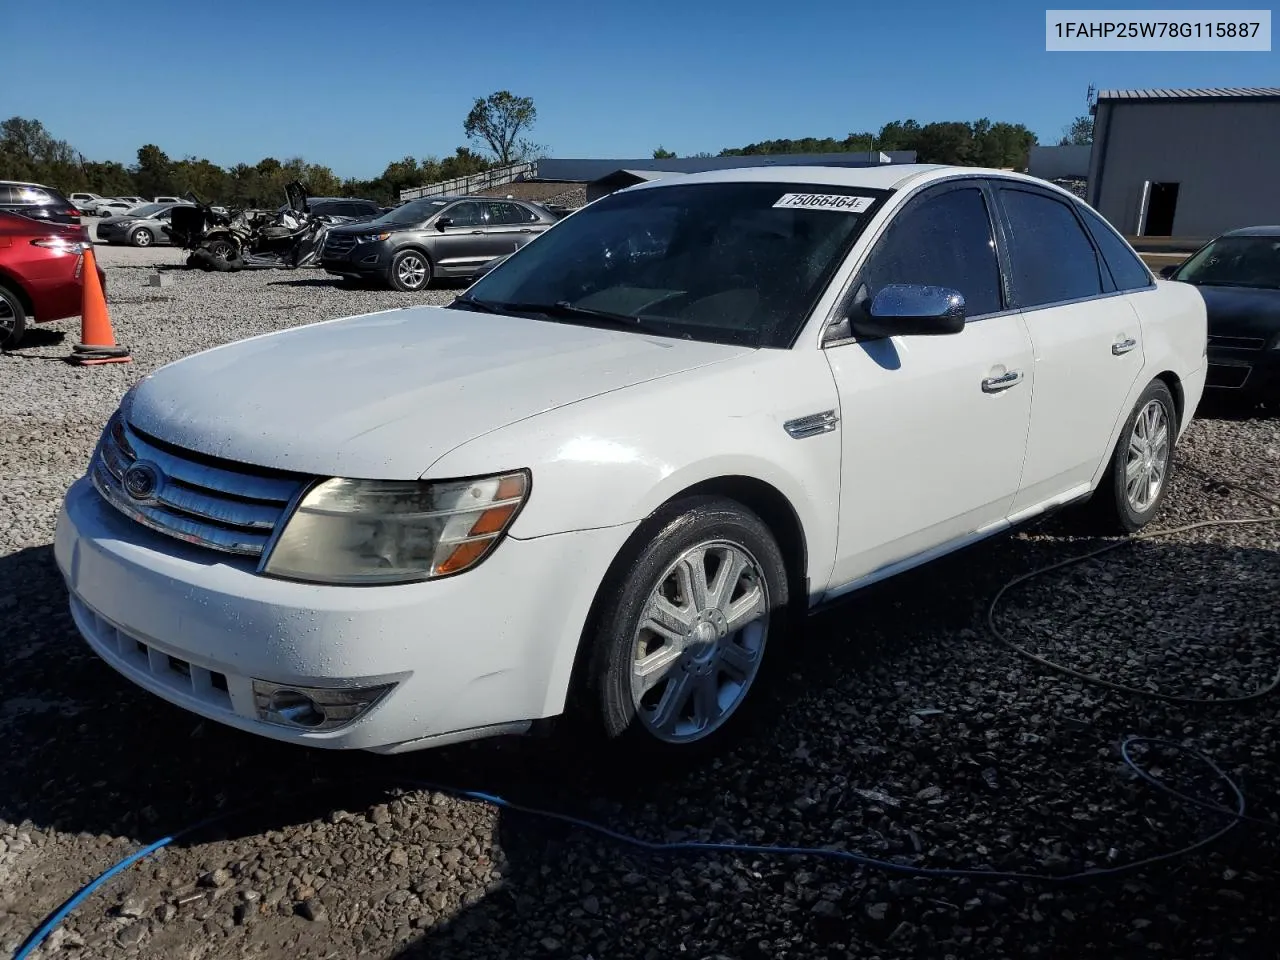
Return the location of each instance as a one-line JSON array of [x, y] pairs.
[[287, 238]]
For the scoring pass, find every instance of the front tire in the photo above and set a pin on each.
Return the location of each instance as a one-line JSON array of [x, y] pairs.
[[13, 320], [688, 633], [142, 237], [222, 249], [1137, 480], [410, 271]]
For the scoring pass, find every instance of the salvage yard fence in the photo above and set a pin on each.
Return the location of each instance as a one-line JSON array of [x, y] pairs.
[[474, 183]]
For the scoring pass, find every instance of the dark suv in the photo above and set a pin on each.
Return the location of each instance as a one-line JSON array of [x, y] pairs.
[[431, 238], [350, 208], [37, 201]]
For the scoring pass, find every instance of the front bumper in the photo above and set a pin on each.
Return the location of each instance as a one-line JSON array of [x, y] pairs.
[[362, 260], [481, 653], [1245, 369]]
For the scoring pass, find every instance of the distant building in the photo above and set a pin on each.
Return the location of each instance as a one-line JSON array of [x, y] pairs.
[[1059, 163], [1186, 163], [587, 170]]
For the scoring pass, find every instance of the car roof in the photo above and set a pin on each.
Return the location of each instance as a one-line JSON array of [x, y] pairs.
[[1265, 230], [891, 176], [25, 183]]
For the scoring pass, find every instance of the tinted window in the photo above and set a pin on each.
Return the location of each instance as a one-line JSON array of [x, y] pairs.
[[505, 212], [465, 214], [942, 240], [737, 262], [6, 193], [1127, 270], [1052, 257]]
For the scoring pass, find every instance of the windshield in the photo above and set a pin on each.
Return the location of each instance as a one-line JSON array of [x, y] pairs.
[[415, 211], [1235, 262], [147, 209], [740, 263]]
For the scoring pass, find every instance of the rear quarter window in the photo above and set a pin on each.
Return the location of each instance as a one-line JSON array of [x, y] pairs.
[[1127, 270]]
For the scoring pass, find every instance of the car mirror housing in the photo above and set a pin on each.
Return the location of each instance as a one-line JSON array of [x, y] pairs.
[[444, 222], [908, 309], [1169, 270]]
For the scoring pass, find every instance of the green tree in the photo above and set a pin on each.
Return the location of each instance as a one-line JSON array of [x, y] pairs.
[[153, 174], [662, 153], [497, 121], [1078, 133]]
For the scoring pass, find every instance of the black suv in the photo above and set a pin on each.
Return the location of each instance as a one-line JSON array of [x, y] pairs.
[[433, 238], [350, 208], [37, 201]]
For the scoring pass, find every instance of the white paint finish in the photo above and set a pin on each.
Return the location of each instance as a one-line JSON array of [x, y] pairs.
[[464, 660], [619, 457], [929, 458], [1080, 391], [384, 395]]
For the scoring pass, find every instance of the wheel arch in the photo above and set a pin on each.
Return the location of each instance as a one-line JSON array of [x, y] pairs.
[[764, 499], [1174, 383], [11, 283]]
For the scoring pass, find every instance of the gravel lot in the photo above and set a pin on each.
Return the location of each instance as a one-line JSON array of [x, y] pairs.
[[902, 731]]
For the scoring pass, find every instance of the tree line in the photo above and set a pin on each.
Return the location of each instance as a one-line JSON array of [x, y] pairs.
[[495, 125], [977, 143]]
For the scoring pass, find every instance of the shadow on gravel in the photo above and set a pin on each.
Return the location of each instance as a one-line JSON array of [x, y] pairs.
[[85, 751]]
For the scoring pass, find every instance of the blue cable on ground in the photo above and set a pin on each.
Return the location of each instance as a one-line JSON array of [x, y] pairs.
[[1236, 815]]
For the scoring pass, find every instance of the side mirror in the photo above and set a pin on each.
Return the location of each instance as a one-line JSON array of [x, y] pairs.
[[908, 309], [1169, 270], [444, 222]]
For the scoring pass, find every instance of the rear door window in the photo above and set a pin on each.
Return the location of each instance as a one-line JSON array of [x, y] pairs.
[[1053, 258], [1127, 270]]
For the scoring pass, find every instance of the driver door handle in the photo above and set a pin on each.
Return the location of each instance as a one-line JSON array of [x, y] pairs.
[[1121, 347], [1003, 382]]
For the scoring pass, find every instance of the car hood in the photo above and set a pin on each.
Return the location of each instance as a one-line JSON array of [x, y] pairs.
[[1241, 311], [384, 395]]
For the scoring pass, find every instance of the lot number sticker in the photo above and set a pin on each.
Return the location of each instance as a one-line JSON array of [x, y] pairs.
[[824, 201]]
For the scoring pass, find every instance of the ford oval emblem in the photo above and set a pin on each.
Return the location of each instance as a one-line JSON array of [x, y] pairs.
[[142, 481]]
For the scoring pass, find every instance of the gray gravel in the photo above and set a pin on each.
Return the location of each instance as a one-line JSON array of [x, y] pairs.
[[901, 731]]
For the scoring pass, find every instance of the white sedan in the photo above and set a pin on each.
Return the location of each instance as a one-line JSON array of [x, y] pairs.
[[610, 477]]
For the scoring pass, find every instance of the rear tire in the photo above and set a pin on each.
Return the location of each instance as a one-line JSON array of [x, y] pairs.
[[677, 659], [142, 237], [13, 319], [1137, 479], [410, 271]]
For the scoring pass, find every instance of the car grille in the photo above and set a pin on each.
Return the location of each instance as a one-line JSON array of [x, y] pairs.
[[337, 246], [211, 503], [1238, 343]]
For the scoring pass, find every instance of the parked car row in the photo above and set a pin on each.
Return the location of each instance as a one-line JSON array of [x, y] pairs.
[[93, 205]]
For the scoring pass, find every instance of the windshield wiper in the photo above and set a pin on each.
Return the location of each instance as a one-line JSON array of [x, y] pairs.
[[471, 303], [560, 310]]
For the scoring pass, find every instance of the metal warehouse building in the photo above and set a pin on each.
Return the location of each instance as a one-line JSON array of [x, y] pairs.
[[1186, 163]]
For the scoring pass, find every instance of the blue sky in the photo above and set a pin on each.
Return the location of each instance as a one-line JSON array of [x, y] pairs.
[[356, 84]]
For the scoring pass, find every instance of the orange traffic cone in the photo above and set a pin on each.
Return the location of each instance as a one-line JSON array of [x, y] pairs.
[[98, 341]]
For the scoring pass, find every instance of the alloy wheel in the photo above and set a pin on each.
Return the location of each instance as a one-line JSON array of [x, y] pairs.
[[700, 642], [412, 271], [1147, 460]]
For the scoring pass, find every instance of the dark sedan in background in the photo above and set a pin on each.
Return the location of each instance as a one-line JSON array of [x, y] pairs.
[[1238, 274], [37, 201], [433, 238]]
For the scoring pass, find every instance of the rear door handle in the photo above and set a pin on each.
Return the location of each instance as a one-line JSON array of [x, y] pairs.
[[1003, 382], [1121, 347]]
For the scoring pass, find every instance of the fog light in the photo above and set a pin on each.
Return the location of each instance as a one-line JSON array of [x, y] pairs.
[[314, 708]]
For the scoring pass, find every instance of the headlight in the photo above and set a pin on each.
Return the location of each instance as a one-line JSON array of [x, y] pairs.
[[372, 237], [395, 531]]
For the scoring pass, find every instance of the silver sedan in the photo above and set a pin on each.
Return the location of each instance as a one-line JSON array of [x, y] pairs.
[[140, 227]]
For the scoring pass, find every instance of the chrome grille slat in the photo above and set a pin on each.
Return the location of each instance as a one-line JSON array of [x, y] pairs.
[[217, 479], [209, 505]]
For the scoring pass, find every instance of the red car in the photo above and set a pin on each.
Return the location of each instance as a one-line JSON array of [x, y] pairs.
[[41, 273]]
